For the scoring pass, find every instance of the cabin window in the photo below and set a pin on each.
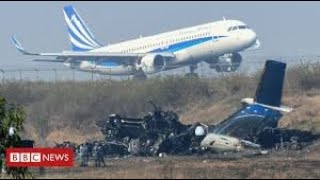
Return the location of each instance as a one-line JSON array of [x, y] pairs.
[[233, 28], [243, 27]]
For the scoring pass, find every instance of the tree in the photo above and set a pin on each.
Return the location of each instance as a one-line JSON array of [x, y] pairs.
[[12, 116]]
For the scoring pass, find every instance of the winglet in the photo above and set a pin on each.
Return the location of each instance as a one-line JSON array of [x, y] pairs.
[[19, 47]]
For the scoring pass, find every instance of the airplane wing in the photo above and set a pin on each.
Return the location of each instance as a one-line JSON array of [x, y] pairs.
[[86, 55]]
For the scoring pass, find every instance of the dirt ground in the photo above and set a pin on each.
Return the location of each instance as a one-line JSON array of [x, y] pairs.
[[292, 164]]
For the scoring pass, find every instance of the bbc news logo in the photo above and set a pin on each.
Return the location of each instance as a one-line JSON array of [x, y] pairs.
[[39, 157]]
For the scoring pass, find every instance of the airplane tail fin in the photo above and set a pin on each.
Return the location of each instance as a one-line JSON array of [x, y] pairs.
[[269, 91], [80, 36]]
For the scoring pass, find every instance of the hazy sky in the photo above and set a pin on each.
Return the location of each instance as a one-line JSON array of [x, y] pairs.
[[284, 28]]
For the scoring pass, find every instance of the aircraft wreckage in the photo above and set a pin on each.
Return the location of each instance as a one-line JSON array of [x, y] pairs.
[[254, 125]]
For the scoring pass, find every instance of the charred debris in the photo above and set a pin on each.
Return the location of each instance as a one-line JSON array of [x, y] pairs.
[[253, 126], [161, 132]]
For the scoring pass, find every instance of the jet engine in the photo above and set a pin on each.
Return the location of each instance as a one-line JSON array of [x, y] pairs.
[[152, 63], [226, 63]]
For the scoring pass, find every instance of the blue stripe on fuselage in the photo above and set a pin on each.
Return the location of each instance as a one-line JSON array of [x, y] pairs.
[[171, 48], [109, 63], [186, 44]]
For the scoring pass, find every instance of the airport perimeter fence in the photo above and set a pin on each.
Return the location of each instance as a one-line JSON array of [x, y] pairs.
[[203, 70]]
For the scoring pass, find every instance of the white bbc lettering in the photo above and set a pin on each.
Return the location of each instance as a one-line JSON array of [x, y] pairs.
[[55, 157], [46, 157], [62, 157]]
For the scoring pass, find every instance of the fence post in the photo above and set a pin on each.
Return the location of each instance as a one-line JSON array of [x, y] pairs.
[[3, 77], [55, 75], [73, 75], [92, 75], [20, 75], [110, 74], [37, 73]]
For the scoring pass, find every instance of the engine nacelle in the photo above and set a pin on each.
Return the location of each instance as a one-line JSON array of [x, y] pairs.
[[152, 63], [226, 63]]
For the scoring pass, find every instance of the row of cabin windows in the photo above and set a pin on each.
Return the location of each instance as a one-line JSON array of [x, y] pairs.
[[166, 42]]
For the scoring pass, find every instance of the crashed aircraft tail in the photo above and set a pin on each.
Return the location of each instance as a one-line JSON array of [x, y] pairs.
[[264, 111], [269, 91]]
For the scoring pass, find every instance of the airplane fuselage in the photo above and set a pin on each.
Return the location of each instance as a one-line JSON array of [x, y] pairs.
[[189, 46], [217, 43]]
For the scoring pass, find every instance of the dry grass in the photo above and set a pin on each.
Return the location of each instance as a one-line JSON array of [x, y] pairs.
[[212, 113], [69, 110], [277, 166], [306, 115]]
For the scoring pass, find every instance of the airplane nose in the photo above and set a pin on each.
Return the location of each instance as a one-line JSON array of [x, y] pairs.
[[249, 38], [252, 36]]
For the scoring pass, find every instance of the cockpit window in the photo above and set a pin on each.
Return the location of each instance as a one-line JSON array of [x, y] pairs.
[[233, 28]]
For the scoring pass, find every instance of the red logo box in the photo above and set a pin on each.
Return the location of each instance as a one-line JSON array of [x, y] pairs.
[[39, 157]]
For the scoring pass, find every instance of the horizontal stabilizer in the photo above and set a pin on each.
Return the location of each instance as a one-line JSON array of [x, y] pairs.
[[250, 101]]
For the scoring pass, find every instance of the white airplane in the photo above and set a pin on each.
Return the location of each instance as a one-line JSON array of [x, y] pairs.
[[217, 43]]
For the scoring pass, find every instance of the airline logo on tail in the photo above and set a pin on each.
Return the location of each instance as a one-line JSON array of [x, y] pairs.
[[80, 36]]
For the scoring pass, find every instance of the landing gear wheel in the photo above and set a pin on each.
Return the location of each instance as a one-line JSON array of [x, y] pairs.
[[192, 73], [218, 69]]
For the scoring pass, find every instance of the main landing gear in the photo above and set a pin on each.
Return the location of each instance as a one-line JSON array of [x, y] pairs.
[[141, 76], [192, 73]]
